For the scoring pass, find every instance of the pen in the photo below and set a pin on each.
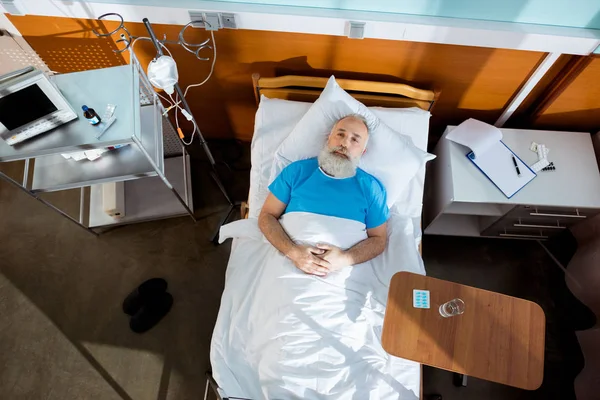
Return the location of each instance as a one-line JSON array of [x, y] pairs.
[[516, 166]]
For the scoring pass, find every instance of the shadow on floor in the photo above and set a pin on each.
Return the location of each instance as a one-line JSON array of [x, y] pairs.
[[63, 334], [521, 269]]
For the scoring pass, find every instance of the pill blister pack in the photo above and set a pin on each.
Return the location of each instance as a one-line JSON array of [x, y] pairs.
[[420, 298]]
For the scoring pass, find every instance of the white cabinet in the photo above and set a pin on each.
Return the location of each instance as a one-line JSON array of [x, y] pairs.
[[463, 202]]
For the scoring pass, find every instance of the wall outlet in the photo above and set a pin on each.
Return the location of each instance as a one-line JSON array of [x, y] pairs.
[[210, 20], [215, 21], [228, 21], [197, 19]]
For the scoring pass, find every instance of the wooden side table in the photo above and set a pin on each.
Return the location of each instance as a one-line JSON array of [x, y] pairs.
[[498, 338]]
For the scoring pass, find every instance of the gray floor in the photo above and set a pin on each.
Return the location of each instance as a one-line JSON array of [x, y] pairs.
[[63, 334]]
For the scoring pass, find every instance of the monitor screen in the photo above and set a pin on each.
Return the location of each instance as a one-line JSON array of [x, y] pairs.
[[24, 106]]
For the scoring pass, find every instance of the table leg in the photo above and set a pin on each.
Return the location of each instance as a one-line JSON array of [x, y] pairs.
[[459, 380]]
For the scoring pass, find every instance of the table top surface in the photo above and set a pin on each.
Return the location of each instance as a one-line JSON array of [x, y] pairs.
[[498, 338], [95, 88], [571, 152]]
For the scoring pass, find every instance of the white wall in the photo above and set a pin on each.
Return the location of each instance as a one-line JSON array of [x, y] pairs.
[[430, 29]]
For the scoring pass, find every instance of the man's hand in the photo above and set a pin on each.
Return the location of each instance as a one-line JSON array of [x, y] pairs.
[[306, 259], [336, 257]]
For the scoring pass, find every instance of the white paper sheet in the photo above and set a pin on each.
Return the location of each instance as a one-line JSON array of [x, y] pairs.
[[476, 135], [497, 164], [492, 156]]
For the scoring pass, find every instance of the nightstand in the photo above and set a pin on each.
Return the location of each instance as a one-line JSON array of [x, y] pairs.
[[461, 201]]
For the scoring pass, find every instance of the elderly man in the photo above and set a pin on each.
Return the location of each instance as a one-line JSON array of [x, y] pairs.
[[333, 185]]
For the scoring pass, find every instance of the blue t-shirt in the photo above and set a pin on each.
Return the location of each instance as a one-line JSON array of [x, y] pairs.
[[303, 186]]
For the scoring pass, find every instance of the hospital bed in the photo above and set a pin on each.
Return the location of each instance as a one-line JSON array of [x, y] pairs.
[[344, 349]]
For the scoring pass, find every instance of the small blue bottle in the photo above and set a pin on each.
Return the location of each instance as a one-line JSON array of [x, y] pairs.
[[90, 115]]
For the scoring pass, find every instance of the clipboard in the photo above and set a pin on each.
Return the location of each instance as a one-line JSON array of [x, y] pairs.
[[492, 157]]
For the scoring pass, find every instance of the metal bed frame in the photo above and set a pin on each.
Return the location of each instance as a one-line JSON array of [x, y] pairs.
[[212, 385]]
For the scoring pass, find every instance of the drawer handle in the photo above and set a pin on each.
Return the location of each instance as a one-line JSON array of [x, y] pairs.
[[541, 214], [537, 214], [523, 236], [539, 226], [520, 224]]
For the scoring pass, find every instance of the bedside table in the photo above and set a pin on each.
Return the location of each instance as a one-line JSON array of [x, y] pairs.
[[462, 201], [498, 338]]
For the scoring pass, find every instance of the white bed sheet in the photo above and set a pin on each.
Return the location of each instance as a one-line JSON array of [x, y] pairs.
[[283, 334], [235, 370]]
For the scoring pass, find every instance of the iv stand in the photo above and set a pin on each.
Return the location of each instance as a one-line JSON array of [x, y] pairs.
[[127, 39], [214, 174]]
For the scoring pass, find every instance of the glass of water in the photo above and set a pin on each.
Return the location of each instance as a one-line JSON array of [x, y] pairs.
[[452, 308]]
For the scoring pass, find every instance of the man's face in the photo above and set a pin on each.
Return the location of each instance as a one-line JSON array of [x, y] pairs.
[[340, 155], [348, 137]]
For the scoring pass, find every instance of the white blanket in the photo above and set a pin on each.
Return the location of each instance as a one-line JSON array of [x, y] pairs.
[[283, 334]]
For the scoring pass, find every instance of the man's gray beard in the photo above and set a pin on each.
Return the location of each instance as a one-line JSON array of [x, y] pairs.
[[335, 165]]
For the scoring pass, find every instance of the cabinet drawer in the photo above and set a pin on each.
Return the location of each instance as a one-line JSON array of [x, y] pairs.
[[522, 229], [518, 233], [527, 227], [532, 235], [537, 223], [551, 216], [531, 222]]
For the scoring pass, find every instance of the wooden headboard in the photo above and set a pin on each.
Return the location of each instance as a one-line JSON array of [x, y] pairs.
[[307, 88]]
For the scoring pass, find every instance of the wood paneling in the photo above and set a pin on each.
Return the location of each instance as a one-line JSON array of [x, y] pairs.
[[521, 118], [573, 103], [474, 82], [498, 338]]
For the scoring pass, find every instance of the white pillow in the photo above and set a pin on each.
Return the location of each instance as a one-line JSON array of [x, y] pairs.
[[412, 122], [275, 120], [390, 157]]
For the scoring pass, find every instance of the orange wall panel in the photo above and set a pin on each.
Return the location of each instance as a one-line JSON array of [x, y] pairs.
[[475, 82], [578, 106]]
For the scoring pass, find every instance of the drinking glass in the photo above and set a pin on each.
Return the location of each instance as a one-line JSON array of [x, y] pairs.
[[452, 308]]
